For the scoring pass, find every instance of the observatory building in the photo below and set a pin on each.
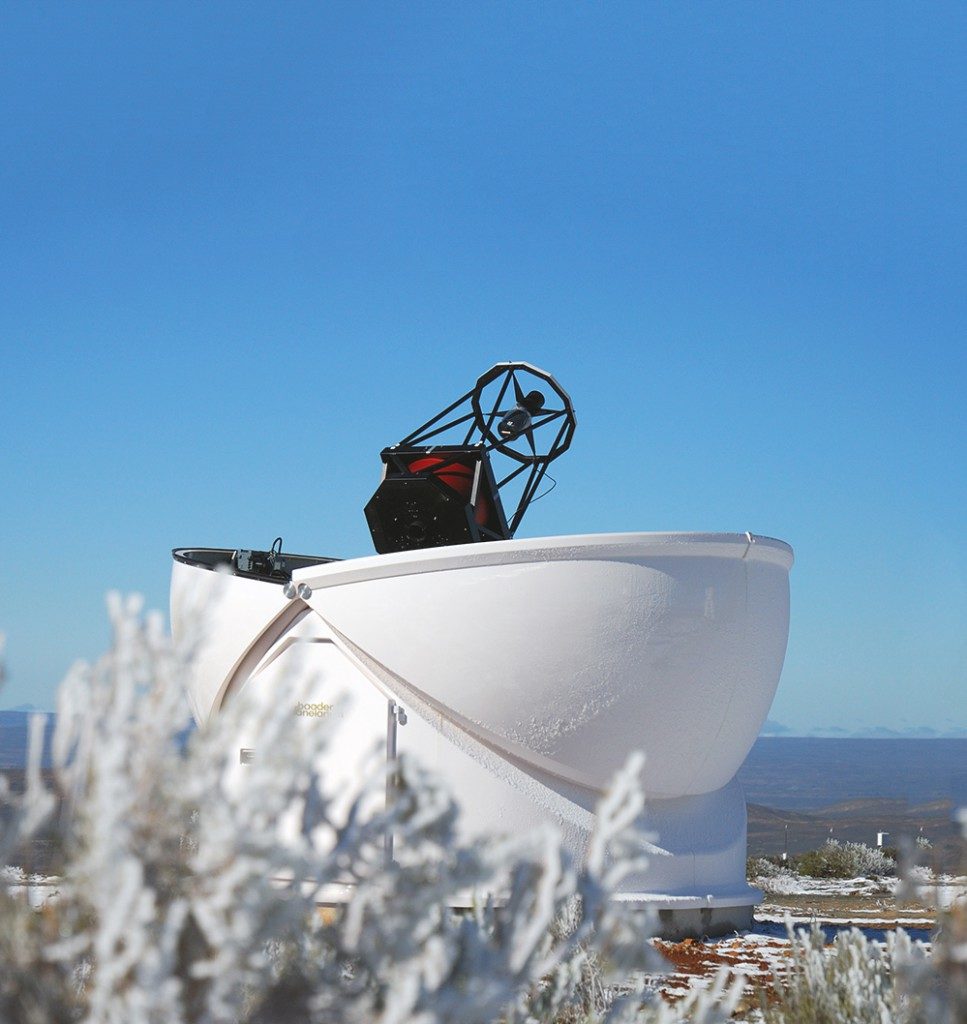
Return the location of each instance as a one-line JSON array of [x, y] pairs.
[[523, 671]]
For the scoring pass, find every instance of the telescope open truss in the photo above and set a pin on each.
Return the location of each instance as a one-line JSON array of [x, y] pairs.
[[439, 484]]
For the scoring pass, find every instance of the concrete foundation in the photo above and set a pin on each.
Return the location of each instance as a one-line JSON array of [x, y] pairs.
[[702, 922]]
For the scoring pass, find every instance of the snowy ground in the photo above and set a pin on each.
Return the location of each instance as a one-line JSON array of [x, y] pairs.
[[868, 903], [762, 955], [760, 959]]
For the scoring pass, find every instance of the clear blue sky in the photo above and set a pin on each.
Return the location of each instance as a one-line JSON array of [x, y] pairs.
[[244, 246]]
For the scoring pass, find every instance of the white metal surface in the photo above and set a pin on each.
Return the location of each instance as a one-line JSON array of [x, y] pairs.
[[572, 652], [530, 669]]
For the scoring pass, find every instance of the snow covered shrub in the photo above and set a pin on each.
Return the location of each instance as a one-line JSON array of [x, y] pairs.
[[865, 982], [826, 862], [868, 861], [772, 877], [858, 980], [853, 981], [786, 884], [844, 860], [179, 901], [762, 867]]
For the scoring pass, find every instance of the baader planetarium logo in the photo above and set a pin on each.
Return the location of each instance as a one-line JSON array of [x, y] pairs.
[[319, 710]]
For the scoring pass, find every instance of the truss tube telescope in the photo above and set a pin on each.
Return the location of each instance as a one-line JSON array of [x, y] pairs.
[[439, 487]]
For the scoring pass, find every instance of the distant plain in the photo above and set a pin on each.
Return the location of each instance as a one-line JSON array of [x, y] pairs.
[[802, 791]]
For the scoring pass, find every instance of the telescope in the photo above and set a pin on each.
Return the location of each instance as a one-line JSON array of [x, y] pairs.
[[446, 481]]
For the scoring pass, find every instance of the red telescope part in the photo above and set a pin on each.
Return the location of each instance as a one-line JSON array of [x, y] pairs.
[[458, 477]]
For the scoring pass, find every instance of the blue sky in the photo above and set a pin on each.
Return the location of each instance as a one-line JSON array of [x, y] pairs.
[[244, 246]]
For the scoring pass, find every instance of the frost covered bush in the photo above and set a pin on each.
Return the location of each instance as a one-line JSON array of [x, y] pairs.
[[762, 867], [179, 901], [855, 981], [866, 982], [785, 884], [845, 860], [860, 981], [773, 878]]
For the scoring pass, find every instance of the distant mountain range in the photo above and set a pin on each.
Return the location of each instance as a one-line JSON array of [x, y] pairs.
[[14, 730], [876, 732], [18, 718]]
